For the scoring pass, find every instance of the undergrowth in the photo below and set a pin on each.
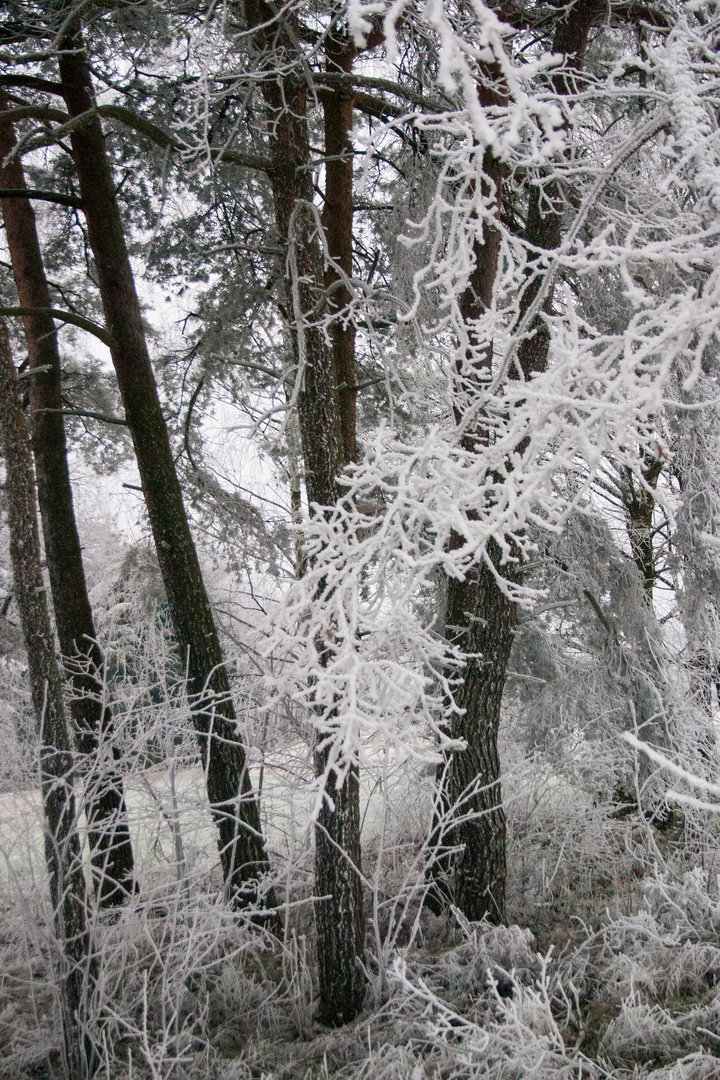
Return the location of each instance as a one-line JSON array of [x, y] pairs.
[[611, 970]]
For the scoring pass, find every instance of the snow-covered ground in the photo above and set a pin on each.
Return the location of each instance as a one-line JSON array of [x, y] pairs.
[[159, 797]]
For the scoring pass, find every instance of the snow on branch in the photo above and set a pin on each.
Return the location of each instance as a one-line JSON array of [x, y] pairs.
[[516, 448]]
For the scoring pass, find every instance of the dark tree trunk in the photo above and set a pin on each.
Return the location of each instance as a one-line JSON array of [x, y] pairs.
[[62, 844], [544, 224], [341, 931], [481, 617], [639, 506], [325, 440], [111, 850], [337, 222], [234, 807], [480, 620], [339, 919]]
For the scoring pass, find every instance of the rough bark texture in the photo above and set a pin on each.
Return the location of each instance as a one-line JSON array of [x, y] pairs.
[[339, 912], [639, 506], [234, 807], [62, 844], [339, 919], [544, 224], [481, 618], [341, 930], [109, 837], [337, 219], [475, 366]]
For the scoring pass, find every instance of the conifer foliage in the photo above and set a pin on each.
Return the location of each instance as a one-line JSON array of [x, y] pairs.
[[399, 324]]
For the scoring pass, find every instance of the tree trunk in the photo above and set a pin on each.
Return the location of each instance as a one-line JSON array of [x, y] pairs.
[[62, 843], [639, 506], [325, 442], [234, 807], [481, 617], [480, 620], [108, 832], [341, 932], [337, 219]]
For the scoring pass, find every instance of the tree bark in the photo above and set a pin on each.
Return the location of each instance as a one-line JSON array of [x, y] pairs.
[[325, 443], [481, 617], [62, 843], [639, 506], [109, 836], [480, 620], [337, 220], [234, 807]]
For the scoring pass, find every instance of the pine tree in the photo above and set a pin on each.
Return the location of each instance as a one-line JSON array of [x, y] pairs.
[[62, 842], [105, 802], [233, 803]]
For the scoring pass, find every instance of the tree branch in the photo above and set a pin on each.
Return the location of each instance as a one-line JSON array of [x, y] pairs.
[[188, 420], [375, 106], [124, 116], [607, 626], [46, 196], [163, 138], [34, 112], [67, 317], [521, 17], [32, 82], [341, 79], [104, 417], [366, 103]]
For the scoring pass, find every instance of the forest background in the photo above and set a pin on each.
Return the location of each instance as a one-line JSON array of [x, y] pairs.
[[369, 726]]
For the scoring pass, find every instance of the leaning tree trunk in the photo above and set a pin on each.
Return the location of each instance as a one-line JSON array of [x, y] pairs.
[[234, 807], [481, 616], [325, 441], [62, 843], [109, 836]]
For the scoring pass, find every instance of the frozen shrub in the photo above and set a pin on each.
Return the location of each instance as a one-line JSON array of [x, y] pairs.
[[693, 1067], [644, 1033]]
